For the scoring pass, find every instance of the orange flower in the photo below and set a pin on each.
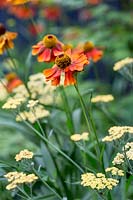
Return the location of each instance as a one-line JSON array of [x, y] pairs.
[[90, 51], [13, 82], [17, 2], [6, 39], [47, 49], [52, 13], [67, 64]]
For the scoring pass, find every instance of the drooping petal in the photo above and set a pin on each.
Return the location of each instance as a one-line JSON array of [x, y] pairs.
[[44, 56], [55, 81], [69, 78]]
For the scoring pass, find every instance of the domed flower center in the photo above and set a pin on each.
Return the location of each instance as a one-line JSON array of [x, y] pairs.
[[62, 61], [88, 46], [2, 29], [10, 76], [50, 41]]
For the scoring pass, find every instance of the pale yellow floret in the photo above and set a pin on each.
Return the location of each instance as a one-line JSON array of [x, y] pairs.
[[98, 181], [102, 98], [24, 154], [115, 171], [118, 159], [78, 137], [13, 103], [16, 178], [33, 115], [117, 132], [32, 103], [123, 63]]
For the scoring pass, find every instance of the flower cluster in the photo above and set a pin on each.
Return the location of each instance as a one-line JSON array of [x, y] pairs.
[[67, 61], [127, 62], [78, 137], [98, 181], [13, 103], [24, 154], [17, 178], [117, 132], [33, 114], [115, 171], [119, 159], [102, 98]]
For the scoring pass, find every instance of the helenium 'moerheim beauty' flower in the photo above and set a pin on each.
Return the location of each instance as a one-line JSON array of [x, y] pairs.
[[89, 49], [66, 63], [6, 38], [47, 49]]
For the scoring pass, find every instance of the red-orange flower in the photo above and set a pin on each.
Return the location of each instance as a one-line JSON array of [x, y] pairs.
[[47, 49], [13, 81], [90, 51], [20, 11], [67, 64], [6, 38], [52, 13]]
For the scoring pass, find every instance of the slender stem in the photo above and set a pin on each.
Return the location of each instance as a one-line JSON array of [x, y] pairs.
[[23, 192], [14, 64], [53, 146], [47, 185], [67, 110]]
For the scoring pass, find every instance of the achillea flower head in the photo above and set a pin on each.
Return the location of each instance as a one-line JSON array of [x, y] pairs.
[[66, 63], [6, 39], [17, 178], [13, 103], [33, 115], [17, 2], [115, 171], [32, 103], [117, 132], [47, 49], [118, 159], [125, 67], [91, 52], [102, 98], [78, 137], [98, 181], [24, 154], [129, 150]]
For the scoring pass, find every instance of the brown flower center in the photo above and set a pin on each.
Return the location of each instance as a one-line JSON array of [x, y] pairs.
[[62, 61], [50, 41], [2, 29], [88, 46]]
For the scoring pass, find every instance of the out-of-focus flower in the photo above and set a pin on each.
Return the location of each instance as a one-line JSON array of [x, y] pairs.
[[98, 181], [118, 159], [21, 11], [3, 3], [34, 114], [6, 39], [125, 67], [32, 103], [67, 46], [13, 81], [47, 49], [13, 103], [17, 178], [85, 15], [34, 30], [24, 154], [92, 52], [102, 98], [94, 2], [67, 63], [117, 132], [52, 13], [17, 2], [115, 171], [78, 137]]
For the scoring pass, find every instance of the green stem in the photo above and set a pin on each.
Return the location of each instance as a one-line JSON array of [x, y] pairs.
[[53, 146], [23, 192], [67, 110], [47, 185]]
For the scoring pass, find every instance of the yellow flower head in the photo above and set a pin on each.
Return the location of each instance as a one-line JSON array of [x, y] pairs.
[[25, 154], [117, 132], [78, 137], [102, 98], [115, 171]]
